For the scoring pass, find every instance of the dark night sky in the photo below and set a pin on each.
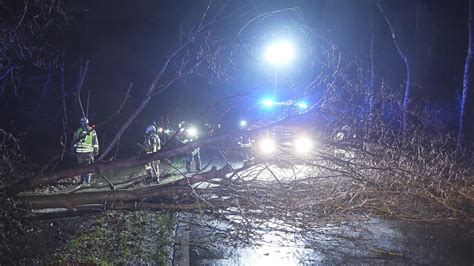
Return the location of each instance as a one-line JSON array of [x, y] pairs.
[[127, 41]]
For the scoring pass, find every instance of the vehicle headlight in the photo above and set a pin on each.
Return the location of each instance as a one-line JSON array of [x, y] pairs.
[[268, 103], [302, 105], [266, 146], [303, 145]]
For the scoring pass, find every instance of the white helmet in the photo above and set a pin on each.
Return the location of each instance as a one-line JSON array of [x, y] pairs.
[[84, 120], [151, 129]]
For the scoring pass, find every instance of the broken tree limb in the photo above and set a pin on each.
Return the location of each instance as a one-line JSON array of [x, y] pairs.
[[74, 200], [111, 185], [97, 208], [35, 181], [29, 183], [157, 192]]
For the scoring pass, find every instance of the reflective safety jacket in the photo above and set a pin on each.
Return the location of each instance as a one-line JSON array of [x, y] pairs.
[[152, 143], [186, 139], [86, 141]]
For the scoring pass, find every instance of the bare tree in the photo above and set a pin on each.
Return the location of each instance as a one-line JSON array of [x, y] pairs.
[[466, 82], [195, 48], [372, 66], [409, 177], [23, 37], [403, 56], [386, 176], [206, 52]]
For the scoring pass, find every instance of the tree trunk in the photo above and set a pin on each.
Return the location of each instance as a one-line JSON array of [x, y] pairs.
[[28, 183], [63, 102], [466, 81], [406, 97], [150, 93], [152, 194], [98, 167], [372, 68]]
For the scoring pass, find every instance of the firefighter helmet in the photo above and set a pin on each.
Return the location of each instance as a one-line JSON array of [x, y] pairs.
[[84, 120], [151, 129]]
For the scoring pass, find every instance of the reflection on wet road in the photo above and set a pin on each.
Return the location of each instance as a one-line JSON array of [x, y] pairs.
[[358, 239], [369, 241]]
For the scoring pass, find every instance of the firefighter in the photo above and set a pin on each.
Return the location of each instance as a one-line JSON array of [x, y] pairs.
[[246, 143], [85, 146], [187, 135], [342, 136], [343, 133], [152, 144]]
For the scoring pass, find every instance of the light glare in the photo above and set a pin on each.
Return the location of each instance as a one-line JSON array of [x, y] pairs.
[[267, 146], [303, 105], [303, 145], [267, 102], [192, 131], [280, 53]]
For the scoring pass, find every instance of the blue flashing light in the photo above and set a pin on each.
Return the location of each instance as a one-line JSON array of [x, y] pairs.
[[302, 105], [267, 102], [243, 123]]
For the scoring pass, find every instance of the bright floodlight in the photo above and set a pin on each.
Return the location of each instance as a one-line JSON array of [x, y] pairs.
[[267, 102], [243, 123], [302, 105], [192, 131], [266, 146], [280, 53], [303, 145]]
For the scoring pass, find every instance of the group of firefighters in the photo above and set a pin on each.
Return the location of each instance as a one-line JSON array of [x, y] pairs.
[[85, 145]]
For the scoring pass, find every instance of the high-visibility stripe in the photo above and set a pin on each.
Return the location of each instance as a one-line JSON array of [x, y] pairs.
[[84, 150], [85, 143]]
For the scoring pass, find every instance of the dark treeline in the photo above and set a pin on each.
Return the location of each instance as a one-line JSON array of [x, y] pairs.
[[384, 49]]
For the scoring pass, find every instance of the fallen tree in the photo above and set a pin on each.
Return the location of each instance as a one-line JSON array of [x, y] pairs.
[[35, 181], [383, 179], [73, 201], [409, 175]]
